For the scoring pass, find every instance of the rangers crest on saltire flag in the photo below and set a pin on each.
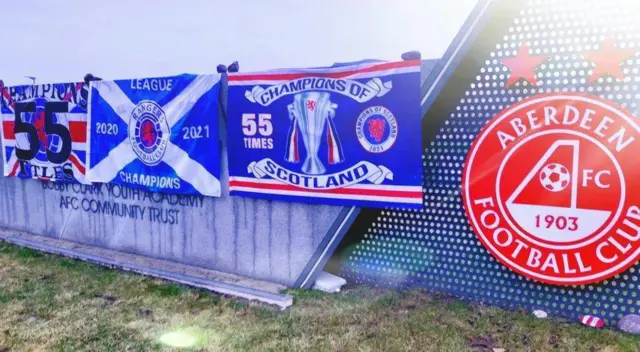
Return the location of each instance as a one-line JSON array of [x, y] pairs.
[[347, 135], [157, 134], [44, 131]]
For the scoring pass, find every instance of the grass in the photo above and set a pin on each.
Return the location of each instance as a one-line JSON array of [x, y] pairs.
[[49, 303]]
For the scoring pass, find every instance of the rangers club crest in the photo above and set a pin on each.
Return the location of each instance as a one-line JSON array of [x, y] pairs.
[[551, 188], [376, 129], [149, 132]]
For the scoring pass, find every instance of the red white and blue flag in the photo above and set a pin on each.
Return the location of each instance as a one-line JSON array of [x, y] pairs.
[[44, 131]]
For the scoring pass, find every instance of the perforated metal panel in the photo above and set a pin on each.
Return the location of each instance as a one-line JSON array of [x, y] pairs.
[[435, 247]]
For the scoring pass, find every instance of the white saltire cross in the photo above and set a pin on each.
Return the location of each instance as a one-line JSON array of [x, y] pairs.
[[186, 168]]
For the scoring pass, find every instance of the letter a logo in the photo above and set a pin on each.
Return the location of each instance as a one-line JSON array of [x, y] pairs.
[[557, 203]]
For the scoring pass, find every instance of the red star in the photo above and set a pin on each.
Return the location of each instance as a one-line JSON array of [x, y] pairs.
[[608, 59], [523, 66]]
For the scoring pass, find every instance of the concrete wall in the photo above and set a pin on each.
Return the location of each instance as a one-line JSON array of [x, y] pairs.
[[261, 239], [266, 240]]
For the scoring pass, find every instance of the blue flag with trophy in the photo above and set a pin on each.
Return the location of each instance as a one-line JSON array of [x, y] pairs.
[[157, 134], [344, 135]]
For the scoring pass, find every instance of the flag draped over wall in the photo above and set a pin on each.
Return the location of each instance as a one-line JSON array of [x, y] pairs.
[[347, 134], [158, 134], [44, 131]]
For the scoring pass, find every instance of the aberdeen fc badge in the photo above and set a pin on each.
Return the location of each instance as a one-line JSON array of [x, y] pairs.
[[551, 187]]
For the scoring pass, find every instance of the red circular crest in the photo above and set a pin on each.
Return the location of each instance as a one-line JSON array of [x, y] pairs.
[[551, 187]]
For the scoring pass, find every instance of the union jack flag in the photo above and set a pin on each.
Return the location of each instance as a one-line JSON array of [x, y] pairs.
[[49, 140]]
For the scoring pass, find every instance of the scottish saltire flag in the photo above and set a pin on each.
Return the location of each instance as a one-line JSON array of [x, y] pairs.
[[44, 131], [345, 135], [157, 134]]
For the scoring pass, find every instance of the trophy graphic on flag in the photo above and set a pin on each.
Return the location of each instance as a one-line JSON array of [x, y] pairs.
[[310, 112]]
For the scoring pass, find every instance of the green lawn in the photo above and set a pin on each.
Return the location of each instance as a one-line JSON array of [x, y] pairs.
[[52, 303]]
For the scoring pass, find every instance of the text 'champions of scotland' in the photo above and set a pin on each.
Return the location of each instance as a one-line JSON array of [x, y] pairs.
[[44, 131], [157, 134], [343, 135]]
